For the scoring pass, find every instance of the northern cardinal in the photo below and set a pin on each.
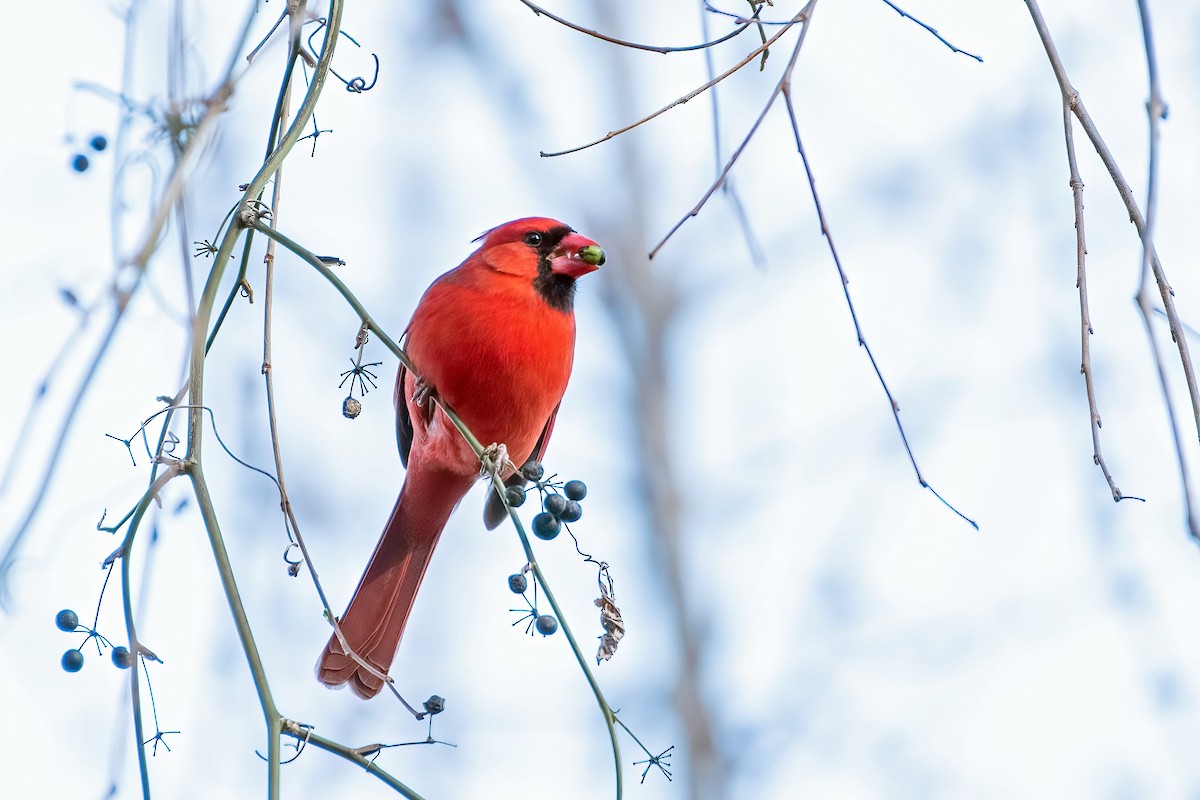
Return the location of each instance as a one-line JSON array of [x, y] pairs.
[[494, 339]]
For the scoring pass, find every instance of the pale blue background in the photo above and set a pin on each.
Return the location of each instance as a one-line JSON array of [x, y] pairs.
[[859, 640]]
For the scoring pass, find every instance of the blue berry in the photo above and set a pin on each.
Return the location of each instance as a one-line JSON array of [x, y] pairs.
[[99, 143], [533, 471], [80, 163], [67, 620], [554, 504], [546, 625], [546, 526], [72, 661], [518, 583], [122, 657], [514, 496], [575, 490], [572, 512]]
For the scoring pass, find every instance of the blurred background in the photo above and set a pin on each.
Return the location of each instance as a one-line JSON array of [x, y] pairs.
[[803, 619]]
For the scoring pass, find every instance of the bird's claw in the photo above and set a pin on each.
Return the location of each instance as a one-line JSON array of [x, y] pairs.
[[423, 394], [494, 460]]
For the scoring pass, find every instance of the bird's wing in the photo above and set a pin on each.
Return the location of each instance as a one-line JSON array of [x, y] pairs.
[[404, 426]]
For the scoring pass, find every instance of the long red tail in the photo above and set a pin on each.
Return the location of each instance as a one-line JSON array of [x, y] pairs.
[[379, 610]]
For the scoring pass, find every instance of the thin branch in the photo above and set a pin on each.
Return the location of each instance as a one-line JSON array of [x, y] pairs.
[[1085, 319], [263, 42], [740, 18], [239, 285], [1075, 102], [15, 541], [739, 210], [196, 381], [241, 620], [305, 735], [806, 15], [268, 372], [692, 94], [285, 503], [936, 35], [135, 646], [1156, 110], [742, 25], [36, 403], [122, 293], [812, 184], [1188, 329]]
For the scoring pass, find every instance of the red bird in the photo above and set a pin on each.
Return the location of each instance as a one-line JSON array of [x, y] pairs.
[[494, 338]]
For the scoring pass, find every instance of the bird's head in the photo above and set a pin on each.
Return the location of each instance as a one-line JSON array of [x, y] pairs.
[[547, 252]]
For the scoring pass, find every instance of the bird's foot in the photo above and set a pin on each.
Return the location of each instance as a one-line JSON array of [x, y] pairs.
[[495, 461], [423, 394]]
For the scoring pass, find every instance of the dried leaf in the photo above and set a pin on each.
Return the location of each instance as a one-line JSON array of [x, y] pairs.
[[614, 626]]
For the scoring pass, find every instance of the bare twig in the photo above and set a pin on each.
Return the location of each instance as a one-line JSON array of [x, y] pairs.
[[741, 26], [204, 312], [292, 525], [812, 185], [36, 403], [806, 15], [936, 35], [729, 190], [1085, 319], [267, 37], [1156, 110], [690, 95], [1075, 103], [740, 18], [304, 733], [122, 291]]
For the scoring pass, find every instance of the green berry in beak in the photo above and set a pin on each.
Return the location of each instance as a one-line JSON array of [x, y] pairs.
[[592, 254]]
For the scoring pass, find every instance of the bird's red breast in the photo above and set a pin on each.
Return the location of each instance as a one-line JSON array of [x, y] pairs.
[[495, 336]]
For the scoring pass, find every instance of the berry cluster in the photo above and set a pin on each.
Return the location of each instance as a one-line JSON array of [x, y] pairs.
[[545, 624], [559, 508], [72, 660], [80, 162]]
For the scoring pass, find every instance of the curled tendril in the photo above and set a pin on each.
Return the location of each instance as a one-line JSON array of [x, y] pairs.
[[357, 85], [293, 564], [299, 745]]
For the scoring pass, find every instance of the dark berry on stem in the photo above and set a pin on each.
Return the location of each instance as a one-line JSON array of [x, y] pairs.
[[518, 583], [514, 496], [122, 657], [575, 490], [435, 704], [72, 661], [546, 526], [99, 143], [67, 620], [533, 471], [555, 503], [546, 624], [572, 512], [79, 163]]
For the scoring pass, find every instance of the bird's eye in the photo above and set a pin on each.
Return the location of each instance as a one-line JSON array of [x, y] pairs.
[[533, 238]]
